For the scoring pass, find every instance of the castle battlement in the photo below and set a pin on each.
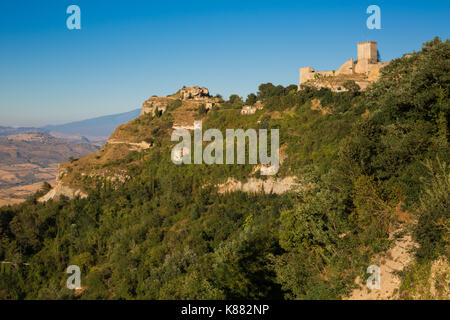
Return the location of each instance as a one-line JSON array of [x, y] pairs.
[[363, 71]]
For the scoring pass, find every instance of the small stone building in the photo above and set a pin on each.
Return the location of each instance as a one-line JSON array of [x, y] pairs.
[[248, 110], [252, 109]]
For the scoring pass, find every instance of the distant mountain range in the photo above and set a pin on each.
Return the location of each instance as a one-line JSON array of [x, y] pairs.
[[95, 130], [30, 155], [95, 127]]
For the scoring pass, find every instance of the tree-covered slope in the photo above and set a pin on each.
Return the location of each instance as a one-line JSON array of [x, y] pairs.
[[166, 233]]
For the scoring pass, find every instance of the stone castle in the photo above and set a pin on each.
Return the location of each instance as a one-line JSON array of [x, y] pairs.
[[363, 71]]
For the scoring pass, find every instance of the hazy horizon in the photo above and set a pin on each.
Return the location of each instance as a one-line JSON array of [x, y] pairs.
[[72, 121]]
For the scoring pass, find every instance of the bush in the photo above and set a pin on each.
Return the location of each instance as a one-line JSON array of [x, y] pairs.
[[202, 109], [351, 86], [432, 230]]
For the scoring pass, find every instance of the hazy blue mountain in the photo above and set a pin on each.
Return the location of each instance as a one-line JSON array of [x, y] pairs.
[[95, 127]]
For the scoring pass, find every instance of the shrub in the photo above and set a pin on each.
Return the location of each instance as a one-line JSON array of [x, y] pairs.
[[432, 230]]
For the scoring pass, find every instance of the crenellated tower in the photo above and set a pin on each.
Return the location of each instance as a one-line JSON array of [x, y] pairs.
[[367, 56]]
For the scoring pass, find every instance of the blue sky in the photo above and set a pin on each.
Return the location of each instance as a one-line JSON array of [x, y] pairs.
[[130, 50]]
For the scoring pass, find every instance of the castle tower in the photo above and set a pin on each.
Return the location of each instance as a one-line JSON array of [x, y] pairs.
[[306, 74], [367, 51], [367, 56]]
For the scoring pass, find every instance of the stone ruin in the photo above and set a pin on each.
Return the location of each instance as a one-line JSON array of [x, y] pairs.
[[154, 105], [194, 93], [363, 71], [252, 109]]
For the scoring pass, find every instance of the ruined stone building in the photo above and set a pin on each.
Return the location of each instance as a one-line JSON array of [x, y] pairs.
[[194, 94], [363, 71]]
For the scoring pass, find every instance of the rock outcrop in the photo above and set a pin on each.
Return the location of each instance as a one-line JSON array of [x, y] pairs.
[[194, 93], [134, 146], [271, 185], [393, 262], [154, 105], [111, 161], [62, 190]]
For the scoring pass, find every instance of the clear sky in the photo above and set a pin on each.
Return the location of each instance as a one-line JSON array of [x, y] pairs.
[[127, 51]]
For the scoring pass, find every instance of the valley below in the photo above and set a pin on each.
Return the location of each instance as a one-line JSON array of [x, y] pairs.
[[27, 160]]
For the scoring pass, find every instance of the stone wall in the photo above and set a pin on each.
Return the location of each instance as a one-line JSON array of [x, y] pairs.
[[306, 74], [364, 71], [347, 67]]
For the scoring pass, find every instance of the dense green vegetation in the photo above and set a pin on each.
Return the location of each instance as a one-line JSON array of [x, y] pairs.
[[168, 234]]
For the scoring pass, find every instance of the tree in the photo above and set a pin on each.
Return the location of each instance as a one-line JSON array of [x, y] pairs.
[[235, 99], [351, 86], [251, 99], [290, 89], [432, 230], [220, 98], [267, 90]]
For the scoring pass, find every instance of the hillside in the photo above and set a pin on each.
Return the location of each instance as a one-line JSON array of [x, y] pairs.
[[128, 144], [369, 173]]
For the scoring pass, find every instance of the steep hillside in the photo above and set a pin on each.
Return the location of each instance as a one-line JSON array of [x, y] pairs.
[[369, 174], [128, 145]]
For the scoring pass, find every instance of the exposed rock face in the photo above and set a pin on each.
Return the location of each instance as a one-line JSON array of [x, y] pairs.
[[136, 135], [134, 146], [391, 264], [62, 190], [194, 93], [154, 105], [160, 104], [271, 185]]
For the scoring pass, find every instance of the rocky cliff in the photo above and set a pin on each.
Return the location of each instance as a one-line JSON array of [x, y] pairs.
[[159, 116]]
